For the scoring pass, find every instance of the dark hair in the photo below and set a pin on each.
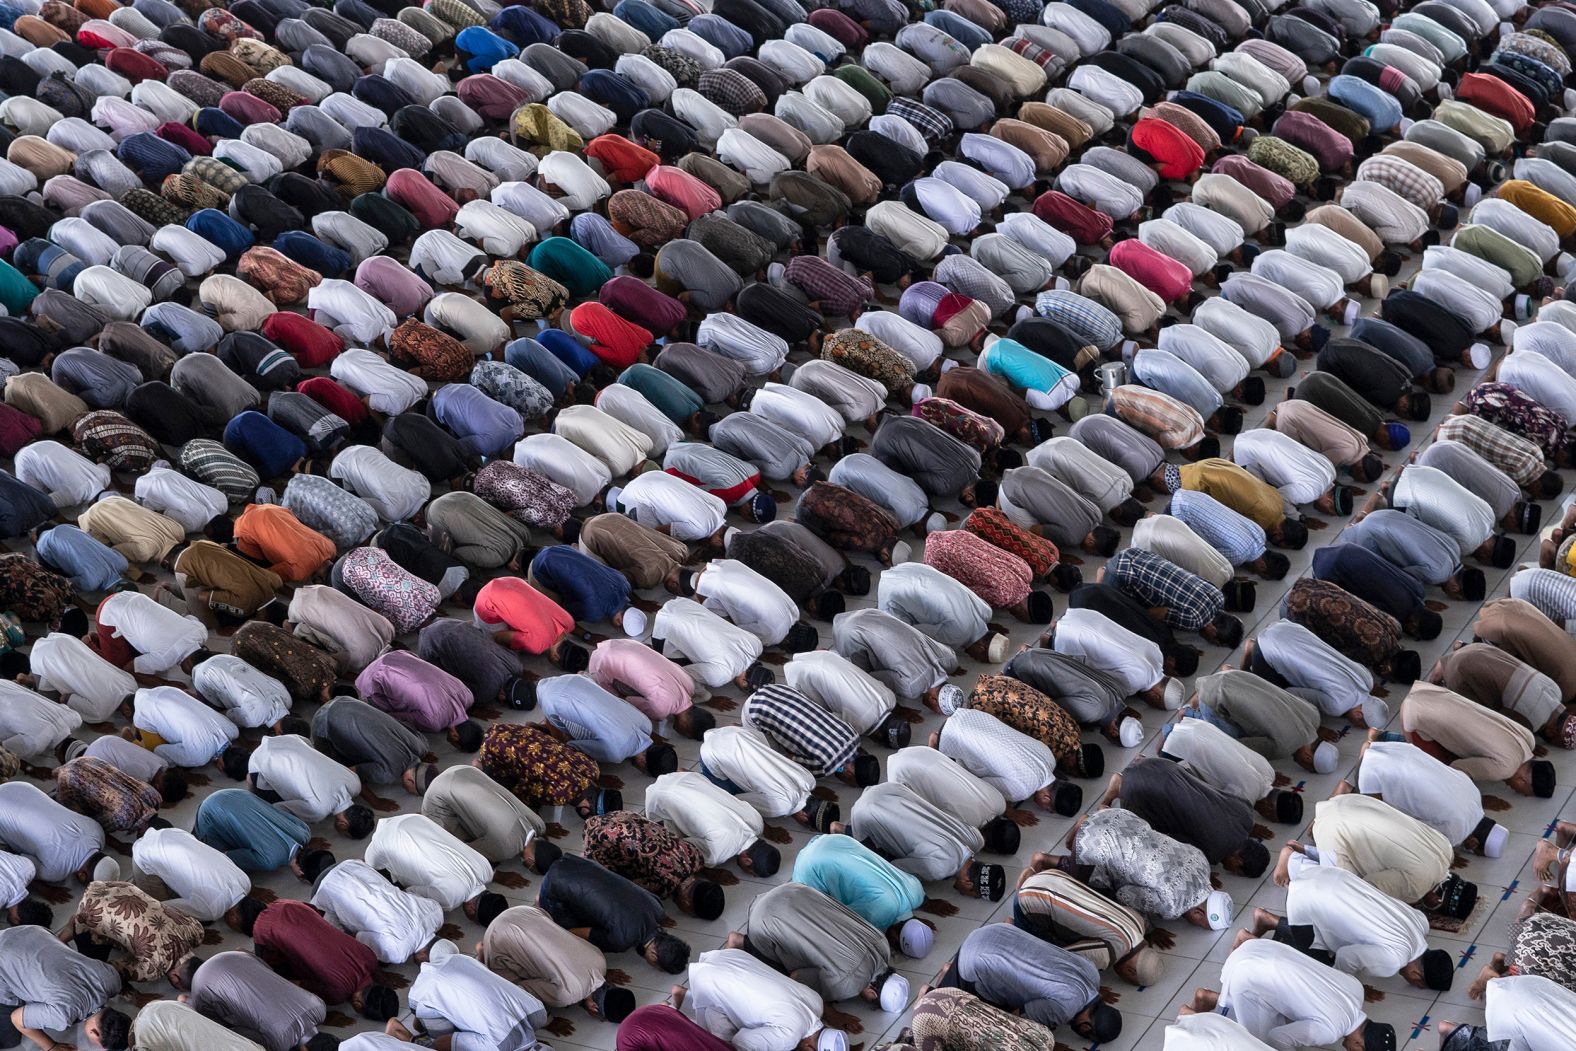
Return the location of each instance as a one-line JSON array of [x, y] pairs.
[[32, 912], [172, 786], [93, 950], [700, 720], [1276, 565], [1228, 631], [1105, 1022], [672, 955], [323, 1042], [468, 736], [1254, 857], [707, 899], [294, 724], [643, 265], [234, 761], [313, 863], [801, 637], [187, 969], [114, 1029], [1294, 534], [661, 759], [488, 905], [359, 821], [544, 853], [248, 909], [379, 1003]]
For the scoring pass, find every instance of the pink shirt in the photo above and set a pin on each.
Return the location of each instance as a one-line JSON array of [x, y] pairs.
[[398, 287], [650, 682]]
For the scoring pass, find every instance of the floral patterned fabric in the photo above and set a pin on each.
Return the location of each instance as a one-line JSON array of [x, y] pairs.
[[154, 938], [113, 798], [382, 584], [539, 769], [643, 851]]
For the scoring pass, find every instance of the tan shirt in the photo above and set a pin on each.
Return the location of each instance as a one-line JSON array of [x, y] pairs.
[[1348, 226], [133, 530], [1488, 746], [1340, 443], [38, 395], [1393, 852], [524, 945], [1517, 627]]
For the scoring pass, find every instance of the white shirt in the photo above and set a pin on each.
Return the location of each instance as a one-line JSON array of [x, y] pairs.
[[162, 637], [356, 316], [394, 924], [502, 158], [395, 492], [1434, 498], [499, 231], [631, 408], [751, 601], [445, 259], [32, 725], [738, 998], [1416, 783], [1263, 982], [933, 776], [658, 499], [1013, 763], [1093, 637], [194, 734], [343, 230], [566, 463], [192, 253], [69, 478], [1530, 1011], [312, 785], [1219, 759], [1316, 670], [773, 784], [797, 411], [530, 204], [1369, 932], [247, 696], [840, 686], [1543, 379], [1201, 1032], [186, 500], [427, 860], [919, 345], [206, 882], [940, 606], [720, 825], [486, 1010], [388, 389], [1301, 475], [16, 872], [112, 292], [90, 685], [582, 187]]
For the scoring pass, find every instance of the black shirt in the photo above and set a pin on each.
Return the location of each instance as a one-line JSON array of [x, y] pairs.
[[1178, 804], [580, 893]]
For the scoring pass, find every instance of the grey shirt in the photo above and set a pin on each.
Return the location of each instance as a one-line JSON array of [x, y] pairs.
[[239, 991], [1269, 720], [1089, 694], [817, 939], [1030, 496], [1015, 970], [1465, 466], [59, 841], [481, 813], [899, 655], [366, 739], [56, 985]]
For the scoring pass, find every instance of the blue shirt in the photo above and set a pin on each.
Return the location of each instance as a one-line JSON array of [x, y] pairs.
[[589, 590], [255, 835], [484, 426], [537, 362], [1411, 545], [263, 443], [1371, 577], [1237, 537], [91, 564], [603, 726], [1021, 367], [843, 868]]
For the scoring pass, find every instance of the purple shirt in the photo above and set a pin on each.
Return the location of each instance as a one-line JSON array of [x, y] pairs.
[[397, 287], [421, 696]]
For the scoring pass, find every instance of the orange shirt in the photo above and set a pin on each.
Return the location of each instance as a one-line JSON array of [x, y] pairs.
[[272, 534], [1540, 204], [535, 621]]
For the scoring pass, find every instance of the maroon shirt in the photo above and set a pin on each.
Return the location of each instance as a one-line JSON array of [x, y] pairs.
[[661, 1028], [326, 961]]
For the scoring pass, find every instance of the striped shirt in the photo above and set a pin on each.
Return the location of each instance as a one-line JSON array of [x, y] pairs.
[[813, 737]]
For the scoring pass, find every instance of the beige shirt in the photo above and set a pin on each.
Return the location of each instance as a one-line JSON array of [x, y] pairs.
[[38, 395], [1341, 443], [1348, 226], [524, 945], [133, 530], [1488, 746], [1395, 853], [169, 1025], [480, 812], [354, 634]]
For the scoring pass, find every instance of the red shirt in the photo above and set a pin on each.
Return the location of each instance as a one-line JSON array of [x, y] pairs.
[[1276, 189], [335, 398], [1078, 221], [1497, 97], [634, 300], [621, 159], [683, 191], [432, 208], [326, 961], [617, 342], [184, 137], [534, 620], [17, 428], [312, 345], [1153, 269], [112, 647], [1177, 154]]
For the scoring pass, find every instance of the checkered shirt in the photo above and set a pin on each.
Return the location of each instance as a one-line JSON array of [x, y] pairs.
[[808, 734], [1191, 602]]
